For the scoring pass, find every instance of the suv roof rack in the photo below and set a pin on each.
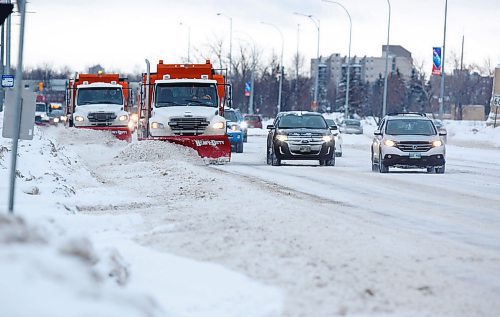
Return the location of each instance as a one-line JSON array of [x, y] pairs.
[[407, 114]]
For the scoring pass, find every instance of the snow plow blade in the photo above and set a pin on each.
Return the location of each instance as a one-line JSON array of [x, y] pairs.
[[215, 149], [121, 133]]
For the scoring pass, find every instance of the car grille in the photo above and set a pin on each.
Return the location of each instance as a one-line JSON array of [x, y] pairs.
[[414, 146], [101, 117], [305, 138], [188, 125]]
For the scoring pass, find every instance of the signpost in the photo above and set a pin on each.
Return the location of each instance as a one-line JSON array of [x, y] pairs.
[[7, 81]]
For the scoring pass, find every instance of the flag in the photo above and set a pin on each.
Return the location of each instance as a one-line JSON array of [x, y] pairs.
[[436, 61]]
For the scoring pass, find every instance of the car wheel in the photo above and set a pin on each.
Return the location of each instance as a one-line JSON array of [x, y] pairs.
[[339, 153], [321, 162], [430, 169], [382, 168], [239, 147], [330, 162], [268, 156], [439, 169], [374, 165], [245, 137], [275, 161]]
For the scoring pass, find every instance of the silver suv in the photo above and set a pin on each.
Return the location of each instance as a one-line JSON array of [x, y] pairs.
[[408, 140]]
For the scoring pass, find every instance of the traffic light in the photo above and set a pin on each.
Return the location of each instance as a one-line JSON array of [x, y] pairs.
[[40, 86], [5, 11]]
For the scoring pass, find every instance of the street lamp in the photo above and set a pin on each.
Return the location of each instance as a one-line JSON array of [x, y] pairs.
[[188, 42], [316, 78], [441, 104], [384, 103], [230, 41], [281, 63], [346, 107]]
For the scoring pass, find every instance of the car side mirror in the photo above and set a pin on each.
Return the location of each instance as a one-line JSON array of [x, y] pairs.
[[377, 132], [270, 127], [442, 133], [334, 128]]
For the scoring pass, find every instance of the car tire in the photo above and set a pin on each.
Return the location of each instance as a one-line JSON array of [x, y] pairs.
[[321, 162], [430, 169], [339, 154], [382, 168], [439, 169], [275, 161], [239, 147], [374, 165], [268, 156], [330, 162], [245, 137]]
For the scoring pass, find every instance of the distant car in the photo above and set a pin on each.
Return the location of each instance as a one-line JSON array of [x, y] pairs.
[[253, 121], [408, 140], [300, 135], [235, 116], [41, 114], [351, 126], [234, 131], [337, 136], [57, 117], [441, 128]]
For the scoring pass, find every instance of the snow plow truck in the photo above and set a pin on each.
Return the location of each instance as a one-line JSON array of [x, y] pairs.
[[99, 102], [184, 104]]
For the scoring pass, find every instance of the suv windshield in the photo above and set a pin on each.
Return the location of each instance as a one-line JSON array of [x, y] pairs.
[[92, 96], [302, 121], [230, 116], [186, 94], [410, 127]]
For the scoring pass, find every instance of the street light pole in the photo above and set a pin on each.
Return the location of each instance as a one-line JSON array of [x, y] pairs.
[[230, 42], [316, 78], [346, 107], [281, 64], [384, 103], [441, 103]]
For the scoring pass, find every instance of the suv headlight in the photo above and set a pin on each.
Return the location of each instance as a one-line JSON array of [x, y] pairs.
[[327, 138], [389, 143], [281, 137], [437, 143]]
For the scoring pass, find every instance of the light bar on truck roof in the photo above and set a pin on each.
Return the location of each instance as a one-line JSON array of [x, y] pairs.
[[166, 76], [113, 82]]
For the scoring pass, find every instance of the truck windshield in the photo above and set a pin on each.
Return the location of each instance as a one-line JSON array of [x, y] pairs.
[[92, 96], [186, 94]]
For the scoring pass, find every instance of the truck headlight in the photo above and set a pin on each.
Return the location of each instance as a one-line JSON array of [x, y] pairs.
[[123, 117], [437, 143], [218, 125], [79, 118], [327, 138], [157, 125], [389, 143], [281, 137]]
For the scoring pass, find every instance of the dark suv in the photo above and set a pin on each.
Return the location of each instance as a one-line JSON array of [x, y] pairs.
[[300, 136]]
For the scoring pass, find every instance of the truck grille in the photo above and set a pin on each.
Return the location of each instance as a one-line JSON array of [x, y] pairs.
[[188, 125], [414, 146], [101, 117]]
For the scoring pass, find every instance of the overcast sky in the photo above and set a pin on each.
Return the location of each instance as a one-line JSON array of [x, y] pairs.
[[120, 34]]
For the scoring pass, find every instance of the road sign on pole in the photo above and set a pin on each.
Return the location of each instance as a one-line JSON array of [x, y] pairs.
[[7, 81]]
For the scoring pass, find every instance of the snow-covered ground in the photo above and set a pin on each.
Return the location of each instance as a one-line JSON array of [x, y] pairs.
[[107, 228]]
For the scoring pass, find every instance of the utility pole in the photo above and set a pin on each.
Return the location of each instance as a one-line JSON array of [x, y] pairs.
[[441, 103], [384, 102]]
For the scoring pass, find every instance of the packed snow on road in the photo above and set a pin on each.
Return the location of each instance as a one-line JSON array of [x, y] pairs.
[[103, 227]]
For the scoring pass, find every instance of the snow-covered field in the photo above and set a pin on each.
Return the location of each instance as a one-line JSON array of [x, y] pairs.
[[107, 228]]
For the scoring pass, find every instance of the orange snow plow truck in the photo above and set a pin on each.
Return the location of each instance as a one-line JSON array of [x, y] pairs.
[[99, 102], [184, 104]]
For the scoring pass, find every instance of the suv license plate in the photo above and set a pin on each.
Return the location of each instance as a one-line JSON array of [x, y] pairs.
[[305, 148], [415, 155]]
